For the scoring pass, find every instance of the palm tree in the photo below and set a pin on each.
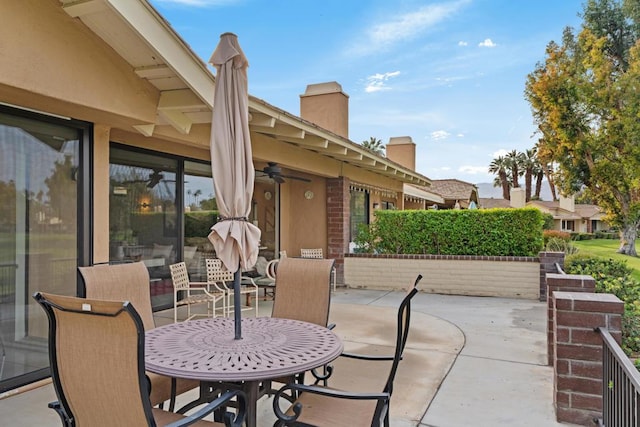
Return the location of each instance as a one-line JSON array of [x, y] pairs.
[[499, 167], [528, 163], [514, 161], [374, 145]]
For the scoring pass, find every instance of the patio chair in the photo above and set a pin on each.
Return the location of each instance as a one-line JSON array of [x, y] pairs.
[[303, 293], [96, 351], [195, 293], [317, 253], [264, 278], [222, 281], [322, 406], [130, 282]]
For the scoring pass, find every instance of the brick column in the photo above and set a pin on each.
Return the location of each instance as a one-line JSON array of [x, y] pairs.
[[338, 222], [563, 283], [548, 261], [578, 352]]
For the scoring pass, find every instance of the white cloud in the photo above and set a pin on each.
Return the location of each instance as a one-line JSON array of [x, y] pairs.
[[405, 27], [501, 152], [487, 43], [463, 43], [473, 170], [439, 135], [377, 82]]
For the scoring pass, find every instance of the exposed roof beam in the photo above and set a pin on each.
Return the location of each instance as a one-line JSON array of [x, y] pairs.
[[258, 119], [183, 99], [178, 120], [154, 72], [281, 130], [146, 130]]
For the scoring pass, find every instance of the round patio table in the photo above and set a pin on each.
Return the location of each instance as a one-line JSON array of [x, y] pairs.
[[270, 348]]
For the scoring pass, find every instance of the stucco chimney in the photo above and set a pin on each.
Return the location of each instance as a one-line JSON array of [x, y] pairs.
[[326, 105], [402, 150], [518, 198], [567, 203]]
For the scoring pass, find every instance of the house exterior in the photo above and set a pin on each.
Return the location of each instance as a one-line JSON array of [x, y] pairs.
[[105, 117], [567, 215]]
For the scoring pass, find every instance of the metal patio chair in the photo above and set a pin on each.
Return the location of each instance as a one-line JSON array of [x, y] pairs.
[[264, 277], [323, 406], [96, 351], [130, 282], [318, 253], [195, 293], [303, 292], [221, 280]]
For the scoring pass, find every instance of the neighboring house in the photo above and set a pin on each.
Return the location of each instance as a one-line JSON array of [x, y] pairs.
[[105, 120], [567, 215], [456, 193]]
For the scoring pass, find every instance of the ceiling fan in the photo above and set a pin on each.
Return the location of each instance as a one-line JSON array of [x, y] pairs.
[[273, 171], [154, 179]]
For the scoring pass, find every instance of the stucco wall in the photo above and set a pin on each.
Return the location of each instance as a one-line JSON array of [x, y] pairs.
[[510, 277]]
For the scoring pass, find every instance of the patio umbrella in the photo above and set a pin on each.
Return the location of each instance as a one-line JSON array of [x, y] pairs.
[[234, 237]]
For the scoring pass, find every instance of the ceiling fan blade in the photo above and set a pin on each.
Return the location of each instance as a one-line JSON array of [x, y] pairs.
[[277, 178]]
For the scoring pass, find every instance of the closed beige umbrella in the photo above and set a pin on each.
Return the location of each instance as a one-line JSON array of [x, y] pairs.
[[234, 237]]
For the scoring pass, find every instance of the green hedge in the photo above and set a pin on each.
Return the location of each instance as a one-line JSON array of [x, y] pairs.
[[491, 232], [614, 277], [198, 223]]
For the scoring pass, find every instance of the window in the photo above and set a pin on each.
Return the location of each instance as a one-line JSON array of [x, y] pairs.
[[359, 207], [144, 222], [40, 232]]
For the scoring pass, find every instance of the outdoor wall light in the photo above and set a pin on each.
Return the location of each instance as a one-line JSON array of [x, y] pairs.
[[308, 194]]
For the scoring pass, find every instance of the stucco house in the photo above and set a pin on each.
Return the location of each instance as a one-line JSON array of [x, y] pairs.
[[567, 215], [105, 117]]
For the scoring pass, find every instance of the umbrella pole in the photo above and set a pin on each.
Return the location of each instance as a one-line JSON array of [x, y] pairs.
[[236, 304]]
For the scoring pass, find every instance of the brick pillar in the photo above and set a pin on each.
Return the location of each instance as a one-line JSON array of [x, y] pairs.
[[577, 363], [548, 261], [338, 222], [563, 283]]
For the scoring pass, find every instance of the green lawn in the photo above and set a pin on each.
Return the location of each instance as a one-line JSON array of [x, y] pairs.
[[607, 248]]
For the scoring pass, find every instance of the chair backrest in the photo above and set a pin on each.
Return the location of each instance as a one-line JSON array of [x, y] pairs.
[[215, 272], [179, 276], [121, 282], [96, 350], [303, 290], [404, 317], [311, 253]]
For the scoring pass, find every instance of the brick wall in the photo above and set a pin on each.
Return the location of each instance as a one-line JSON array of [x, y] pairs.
[[338, 222], [510, 277], [578, 352], [557, 282]]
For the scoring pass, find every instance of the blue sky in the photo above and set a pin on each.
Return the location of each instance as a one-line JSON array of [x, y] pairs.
[[448, 73]]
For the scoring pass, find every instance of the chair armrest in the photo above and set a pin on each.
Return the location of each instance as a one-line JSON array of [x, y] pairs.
[[381, 398], [229, 419]]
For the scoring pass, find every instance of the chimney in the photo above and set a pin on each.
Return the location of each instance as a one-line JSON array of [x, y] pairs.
[[402, 150], [326, 105], [518, 198], [567, 203]]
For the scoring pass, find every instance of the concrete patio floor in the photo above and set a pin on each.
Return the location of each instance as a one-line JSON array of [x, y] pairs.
[[468, 361]]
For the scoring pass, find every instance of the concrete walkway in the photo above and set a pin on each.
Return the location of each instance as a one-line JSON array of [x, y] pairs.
[[469, 361]]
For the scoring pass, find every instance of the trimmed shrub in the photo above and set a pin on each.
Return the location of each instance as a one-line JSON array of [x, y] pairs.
[[198, 223], [555, 234], [557, 244], [491, 232], [613, 277]]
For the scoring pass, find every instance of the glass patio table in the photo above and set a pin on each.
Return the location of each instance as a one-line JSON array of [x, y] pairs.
[[270, 348]]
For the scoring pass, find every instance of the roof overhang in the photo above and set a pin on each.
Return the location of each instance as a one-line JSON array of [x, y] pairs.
[[140, 35], [417, 193]]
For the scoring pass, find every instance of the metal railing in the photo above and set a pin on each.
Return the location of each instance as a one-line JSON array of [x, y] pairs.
[[620, 386], [7, 280]]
